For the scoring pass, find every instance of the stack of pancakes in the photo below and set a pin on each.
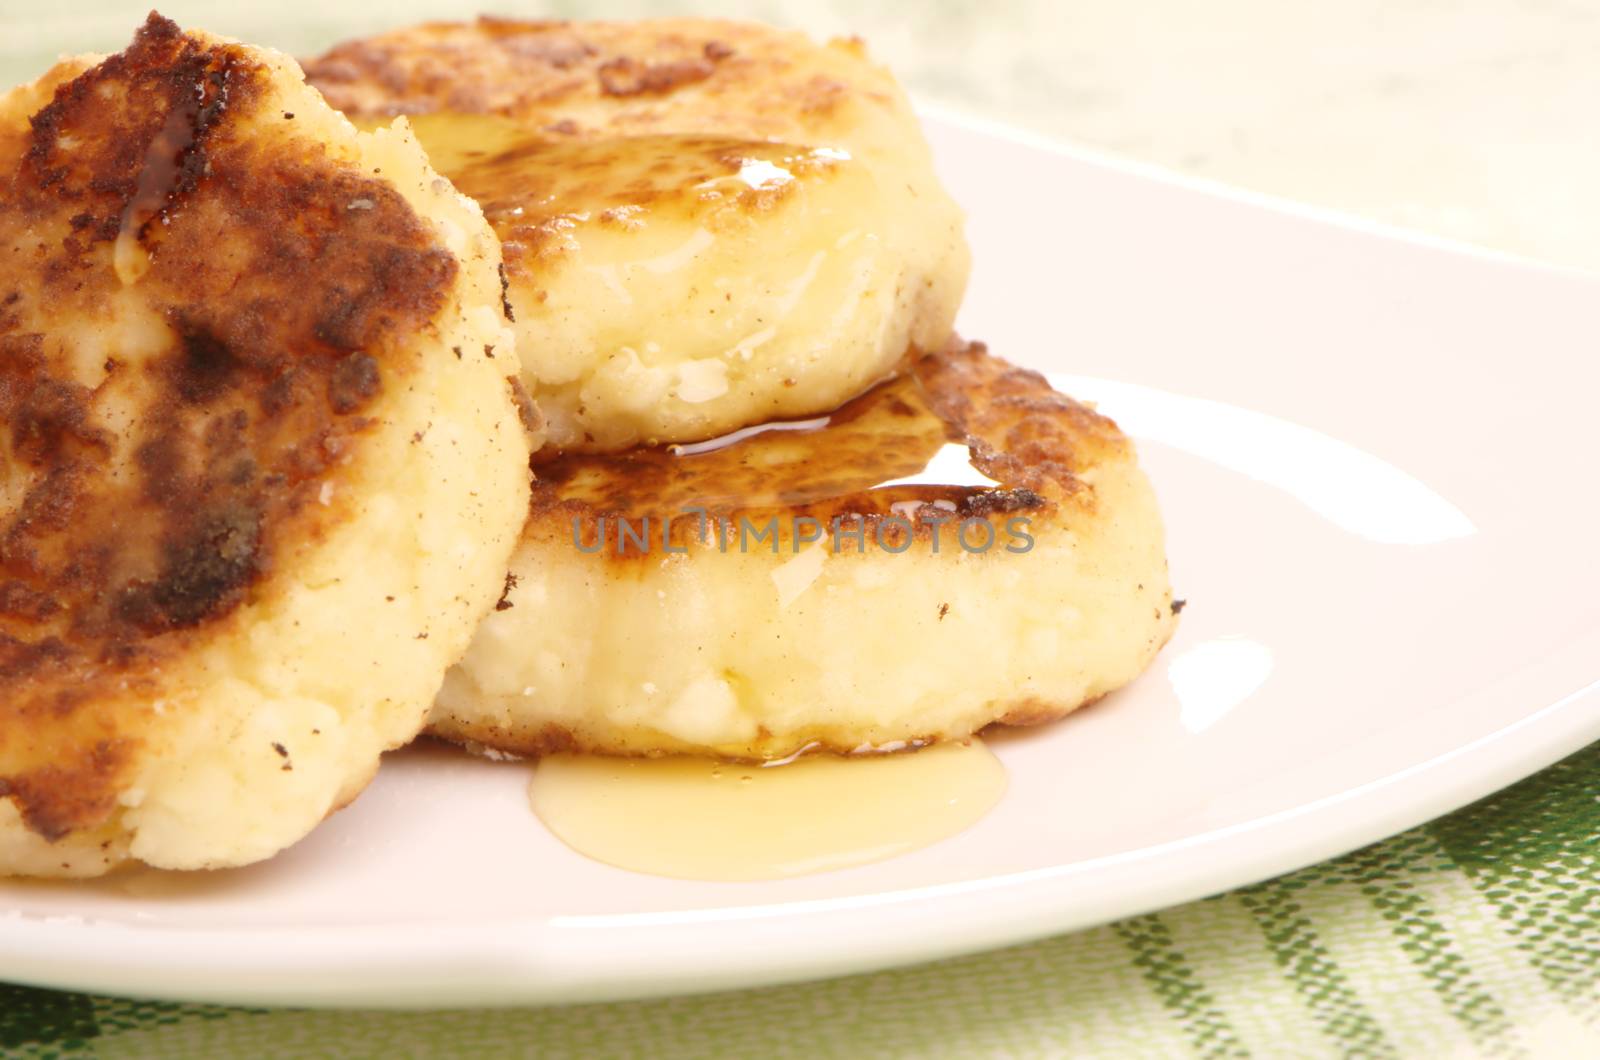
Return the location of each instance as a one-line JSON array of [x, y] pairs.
[[270, 380]]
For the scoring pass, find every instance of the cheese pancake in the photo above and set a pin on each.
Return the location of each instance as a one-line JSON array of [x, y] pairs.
[[259, 472], [959, 546], [706, 224]]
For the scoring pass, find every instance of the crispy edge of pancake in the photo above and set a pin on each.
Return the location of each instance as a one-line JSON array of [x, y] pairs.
[[748, 79]]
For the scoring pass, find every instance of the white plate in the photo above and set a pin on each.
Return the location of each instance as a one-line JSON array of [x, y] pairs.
[[1376, 457]]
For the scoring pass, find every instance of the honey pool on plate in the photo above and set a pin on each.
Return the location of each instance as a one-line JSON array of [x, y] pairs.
[[704, 819]]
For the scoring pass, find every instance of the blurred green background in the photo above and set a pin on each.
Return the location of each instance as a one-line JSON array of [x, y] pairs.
[[1469, 119]]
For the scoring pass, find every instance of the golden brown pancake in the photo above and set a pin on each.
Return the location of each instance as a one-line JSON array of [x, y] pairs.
[[959, 546], [259, 474], [706, 224]]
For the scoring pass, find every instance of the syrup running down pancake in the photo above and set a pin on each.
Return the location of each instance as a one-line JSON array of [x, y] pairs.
[[959, 546], [706, 224]]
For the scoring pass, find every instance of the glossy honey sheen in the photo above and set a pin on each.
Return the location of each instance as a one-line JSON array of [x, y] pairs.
[[535, 186], [898, 450], [701, 819]]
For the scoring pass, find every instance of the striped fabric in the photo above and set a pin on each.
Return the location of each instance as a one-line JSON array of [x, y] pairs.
[[1475, 936]]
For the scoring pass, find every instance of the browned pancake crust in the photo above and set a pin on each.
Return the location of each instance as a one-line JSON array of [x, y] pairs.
[[614, 117], [731, 75], [1031, 440], [535, 191], [145, 498]]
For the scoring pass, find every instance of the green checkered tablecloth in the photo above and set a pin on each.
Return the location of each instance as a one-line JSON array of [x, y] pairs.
[[1475, 935]]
